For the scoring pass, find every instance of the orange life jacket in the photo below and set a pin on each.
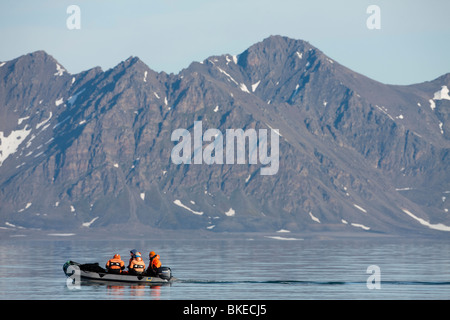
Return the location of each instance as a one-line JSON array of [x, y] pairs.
[[154, 262], [137, 265], [115, 264]]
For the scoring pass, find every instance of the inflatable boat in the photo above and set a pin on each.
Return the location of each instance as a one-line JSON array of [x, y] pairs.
[[93, 272]]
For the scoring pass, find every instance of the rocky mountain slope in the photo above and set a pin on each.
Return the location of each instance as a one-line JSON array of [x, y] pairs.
[[93, 150]]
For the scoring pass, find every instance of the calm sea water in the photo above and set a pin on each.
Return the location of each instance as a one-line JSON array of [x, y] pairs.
[[235, 269]]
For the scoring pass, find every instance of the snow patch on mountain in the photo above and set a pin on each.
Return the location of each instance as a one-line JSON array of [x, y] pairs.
[[277, 131], [45, 121], [88, 224], [314, 218], [26, 207], [255, 85], [59, 70], [10, 144], [19, 122], [360, 208], [358, 225], [230, 213], [442, 94], [59, 101], [178, 203], [432, 104], [244, 87], [229, 77], [438, 226]]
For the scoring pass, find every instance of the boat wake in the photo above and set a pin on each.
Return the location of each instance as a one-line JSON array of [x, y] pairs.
[[313, 283]]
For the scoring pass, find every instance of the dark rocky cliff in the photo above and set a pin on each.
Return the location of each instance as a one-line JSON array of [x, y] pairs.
[[93, 149]]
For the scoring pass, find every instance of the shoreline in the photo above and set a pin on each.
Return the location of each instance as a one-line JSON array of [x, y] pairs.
[[118, 233]]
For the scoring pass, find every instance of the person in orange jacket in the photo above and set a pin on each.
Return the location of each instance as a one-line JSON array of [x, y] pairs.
[[115, 265], [137, 265], [154, 263]]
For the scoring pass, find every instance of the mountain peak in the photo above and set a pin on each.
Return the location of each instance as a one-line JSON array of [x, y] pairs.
[[36, 57], [38, 63], [283, 41], [274, 49]]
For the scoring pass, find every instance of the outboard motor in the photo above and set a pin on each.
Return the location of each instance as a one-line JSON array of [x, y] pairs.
[[164, 273]]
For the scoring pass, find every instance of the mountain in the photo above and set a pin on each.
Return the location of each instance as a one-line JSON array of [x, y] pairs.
[[93, 150]]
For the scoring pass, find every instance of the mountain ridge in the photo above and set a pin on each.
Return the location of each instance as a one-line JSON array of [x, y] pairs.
[[351, 148]]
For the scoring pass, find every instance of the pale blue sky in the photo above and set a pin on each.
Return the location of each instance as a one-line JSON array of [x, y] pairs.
[[413, 44]]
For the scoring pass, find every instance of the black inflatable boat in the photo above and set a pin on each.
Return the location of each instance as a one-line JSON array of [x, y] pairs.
[[92, 271]]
